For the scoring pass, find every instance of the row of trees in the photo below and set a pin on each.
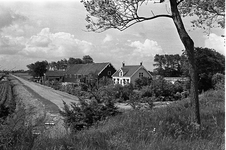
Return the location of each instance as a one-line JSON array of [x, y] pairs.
[[207, 60], [208, 63], [38, 68], [170, 65], [62, 64]]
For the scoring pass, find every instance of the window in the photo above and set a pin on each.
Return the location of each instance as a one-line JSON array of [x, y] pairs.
[[141, 74], [120, 73], [109, 73], [127, 81], [70, 76]]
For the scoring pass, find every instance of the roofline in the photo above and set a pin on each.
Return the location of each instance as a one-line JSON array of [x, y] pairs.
[[116, 72], [144, 69], [105, 67], [135, 71]]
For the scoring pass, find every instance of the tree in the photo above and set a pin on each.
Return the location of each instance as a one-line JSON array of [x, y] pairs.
[[168, 65], [121, 14], [87, 59], [62, 64], [52, 65], [72, 60], [210, 13], [208, 63], [38, 68]]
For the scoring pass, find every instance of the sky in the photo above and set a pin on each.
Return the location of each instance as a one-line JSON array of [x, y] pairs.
[[50, 30]]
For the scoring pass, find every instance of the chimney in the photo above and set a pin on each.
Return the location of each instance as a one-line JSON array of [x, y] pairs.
[[123, 64], [141, 63]]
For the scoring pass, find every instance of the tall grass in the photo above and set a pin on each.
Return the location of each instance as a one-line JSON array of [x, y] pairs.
[[167, 128]]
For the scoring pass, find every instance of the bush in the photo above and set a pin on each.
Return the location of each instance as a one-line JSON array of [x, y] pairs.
[[89, 111], [143, 81], [162, 90], [17, 133], [122, 92], [146, 91], [218, 80]]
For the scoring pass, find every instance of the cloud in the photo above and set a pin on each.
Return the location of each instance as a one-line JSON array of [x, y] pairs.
[[148, 48], [10, 45], [55, 45], [215, 42], [8, 17], [129, 51], [107, 38]]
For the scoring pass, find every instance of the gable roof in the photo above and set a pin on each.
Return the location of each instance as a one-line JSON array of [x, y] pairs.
[[55, 73], [85, 69], [129, 71]]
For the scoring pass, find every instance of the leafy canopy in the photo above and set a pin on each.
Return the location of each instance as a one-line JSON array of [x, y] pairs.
[[121, 14]]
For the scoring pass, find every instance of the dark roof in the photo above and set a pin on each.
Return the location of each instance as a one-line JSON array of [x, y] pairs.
[[55, 73], [127, 71], [85, 69]]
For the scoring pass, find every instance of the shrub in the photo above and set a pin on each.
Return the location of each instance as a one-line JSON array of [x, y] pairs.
[[17, 133], [122, 92], [162, 90], [218, 80], [89, 111], [143, 81]]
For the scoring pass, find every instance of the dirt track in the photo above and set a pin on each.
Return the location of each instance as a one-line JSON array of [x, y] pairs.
[[56, 97]]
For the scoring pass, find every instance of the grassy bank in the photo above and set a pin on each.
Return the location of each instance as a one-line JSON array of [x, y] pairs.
[[167, 128]]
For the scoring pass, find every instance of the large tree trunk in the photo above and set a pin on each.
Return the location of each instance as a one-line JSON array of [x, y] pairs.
[[189, 48]]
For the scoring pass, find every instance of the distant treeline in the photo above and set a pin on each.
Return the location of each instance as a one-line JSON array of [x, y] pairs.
[[38, 68], [208, 62]]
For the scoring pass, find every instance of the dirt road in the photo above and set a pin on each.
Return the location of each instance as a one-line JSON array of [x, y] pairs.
[[55, 96]]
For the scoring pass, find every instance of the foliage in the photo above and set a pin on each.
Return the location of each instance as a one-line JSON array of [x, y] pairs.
[[17, 133], [105, 81], [87, 59], [143, 81], [168, 65], [218, 81], [209, 13], [123, 92], [38, 68], [64, 63], [88, 112], [72, 60], [209, 62], [163, 128], [162, 90]]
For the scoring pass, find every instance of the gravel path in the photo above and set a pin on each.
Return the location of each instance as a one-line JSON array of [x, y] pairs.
[[55, 96]]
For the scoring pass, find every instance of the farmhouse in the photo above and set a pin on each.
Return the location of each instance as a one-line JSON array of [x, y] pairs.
[[78, 72], [54, 75], [128, 74]]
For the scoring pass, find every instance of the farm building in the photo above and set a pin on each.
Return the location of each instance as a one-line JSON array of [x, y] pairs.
[[128, 74], [54, 75], [78, 72]]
